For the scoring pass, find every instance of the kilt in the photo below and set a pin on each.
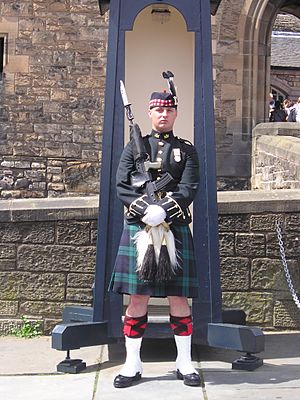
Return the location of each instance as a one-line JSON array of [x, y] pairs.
[[125, 279]]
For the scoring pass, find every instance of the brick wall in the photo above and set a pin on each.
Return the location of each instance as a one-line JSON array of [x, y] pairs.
[[48, 248]]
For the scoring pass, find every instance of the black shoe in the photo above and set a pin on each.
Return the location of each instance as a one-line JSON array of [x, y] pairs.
[[122, 381], [189, 379]]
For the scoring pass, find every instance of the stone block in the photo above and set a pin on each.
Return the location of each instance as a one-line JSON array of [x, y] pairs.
[[231, 92], [91, 155], [8, 251], [226, 244], [9, 283], [58, 187], [283, 295], [7, 325], [38, 165], [41, 308], [17, 64], [73, 233], [59, 94], [80, 280], [49, 325], [7, 164], [81, 172], [5, 215], [235, 273], [39, 286], [83, 295], [264, 223], [64, 58], [54, 170], [286, 315], [8, 308], [27, 232], [94, 234], [250, 244], [291, 243], [292, 222], [46, 38], [257, 306], [7, 265], [71, 150], [268, 274], [234, 223], [56, 258]]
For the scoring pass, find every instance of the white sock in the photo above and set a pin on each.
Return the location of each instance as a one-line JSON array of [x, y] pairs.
[[184, 358], [133, 363]]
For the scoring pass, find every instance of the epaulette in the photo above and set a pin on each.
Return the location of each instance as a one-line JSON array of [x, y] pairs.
[[184, 141]]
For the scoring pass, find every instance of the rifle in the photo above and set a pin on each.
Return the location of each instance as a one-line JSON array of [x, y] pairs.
[[141, 176]]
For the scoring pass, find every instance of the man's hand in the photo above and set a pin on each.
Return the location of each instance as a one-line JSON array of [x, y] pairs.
[[154, 215]]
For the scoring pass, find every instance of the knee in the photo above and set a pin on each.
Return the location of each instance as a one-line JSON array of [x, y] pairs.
[[137, 299], [177, 301], [138, 305]]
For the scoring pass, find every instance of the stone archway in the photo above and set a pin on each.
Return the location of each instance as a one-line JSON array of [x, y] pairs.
[[243, 55], [256, 45]]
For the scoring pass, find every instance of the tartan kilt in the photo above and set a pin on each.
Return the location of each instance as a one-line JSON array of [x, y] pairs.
[[125, 279]]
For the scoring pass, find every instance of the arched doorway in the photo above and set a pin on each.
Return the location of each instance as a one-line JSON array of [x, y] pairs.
[[243, 62]]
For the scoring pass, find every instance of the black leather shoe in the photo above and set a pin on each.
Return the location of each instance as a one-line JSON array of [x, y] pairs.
[[122, 381], [189, 379]]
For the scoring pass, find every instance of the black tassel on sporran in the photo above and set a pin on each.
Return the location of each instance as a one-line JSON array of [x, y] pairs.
[[159, 261], [148, 269], [164, 270]]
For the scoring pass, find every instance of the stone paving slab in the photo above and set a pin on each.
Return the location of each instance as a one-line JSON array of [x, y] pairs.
[[35, 356], [47, 387], [253, 393], [269, 382], [158, 382]]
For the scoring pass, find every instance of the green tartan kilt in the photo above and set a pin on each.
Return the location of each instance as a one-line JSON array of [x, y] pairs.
[[125, 279]]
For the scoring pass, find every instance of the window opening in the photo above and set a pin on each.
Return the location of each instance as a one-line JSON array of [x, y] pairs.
[[278, 95], [3, 54]]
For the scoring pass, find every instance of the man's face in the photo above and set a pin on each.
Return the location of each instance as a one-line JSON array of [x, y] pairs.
[[163, 118]]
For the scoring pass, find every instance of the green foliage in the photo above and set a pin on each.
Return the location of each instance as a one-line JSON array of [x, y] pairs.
[[28, 329]]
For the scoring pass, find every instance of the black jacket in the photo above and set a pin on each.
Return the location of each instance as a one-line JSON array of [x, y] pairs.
[[179, 158]]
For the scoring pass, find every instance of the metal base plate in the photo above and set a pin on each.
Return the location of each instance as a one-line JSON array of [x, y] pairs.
[[247, 363], [71, 366]]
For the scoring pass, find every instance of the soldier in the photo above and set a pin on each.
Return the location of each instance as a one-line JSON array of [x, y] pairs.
[[168, 216]]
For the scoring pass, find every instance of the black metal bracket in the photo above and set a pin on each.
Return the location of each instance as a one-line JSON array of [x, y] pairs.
[[76, 335], [242, 338]]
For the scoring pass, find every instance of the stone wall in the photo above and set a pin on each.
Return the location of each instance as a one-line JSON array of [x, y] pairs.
[[48, 246], [275, 156], [51, 109], [47, 258], [252, 274]]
